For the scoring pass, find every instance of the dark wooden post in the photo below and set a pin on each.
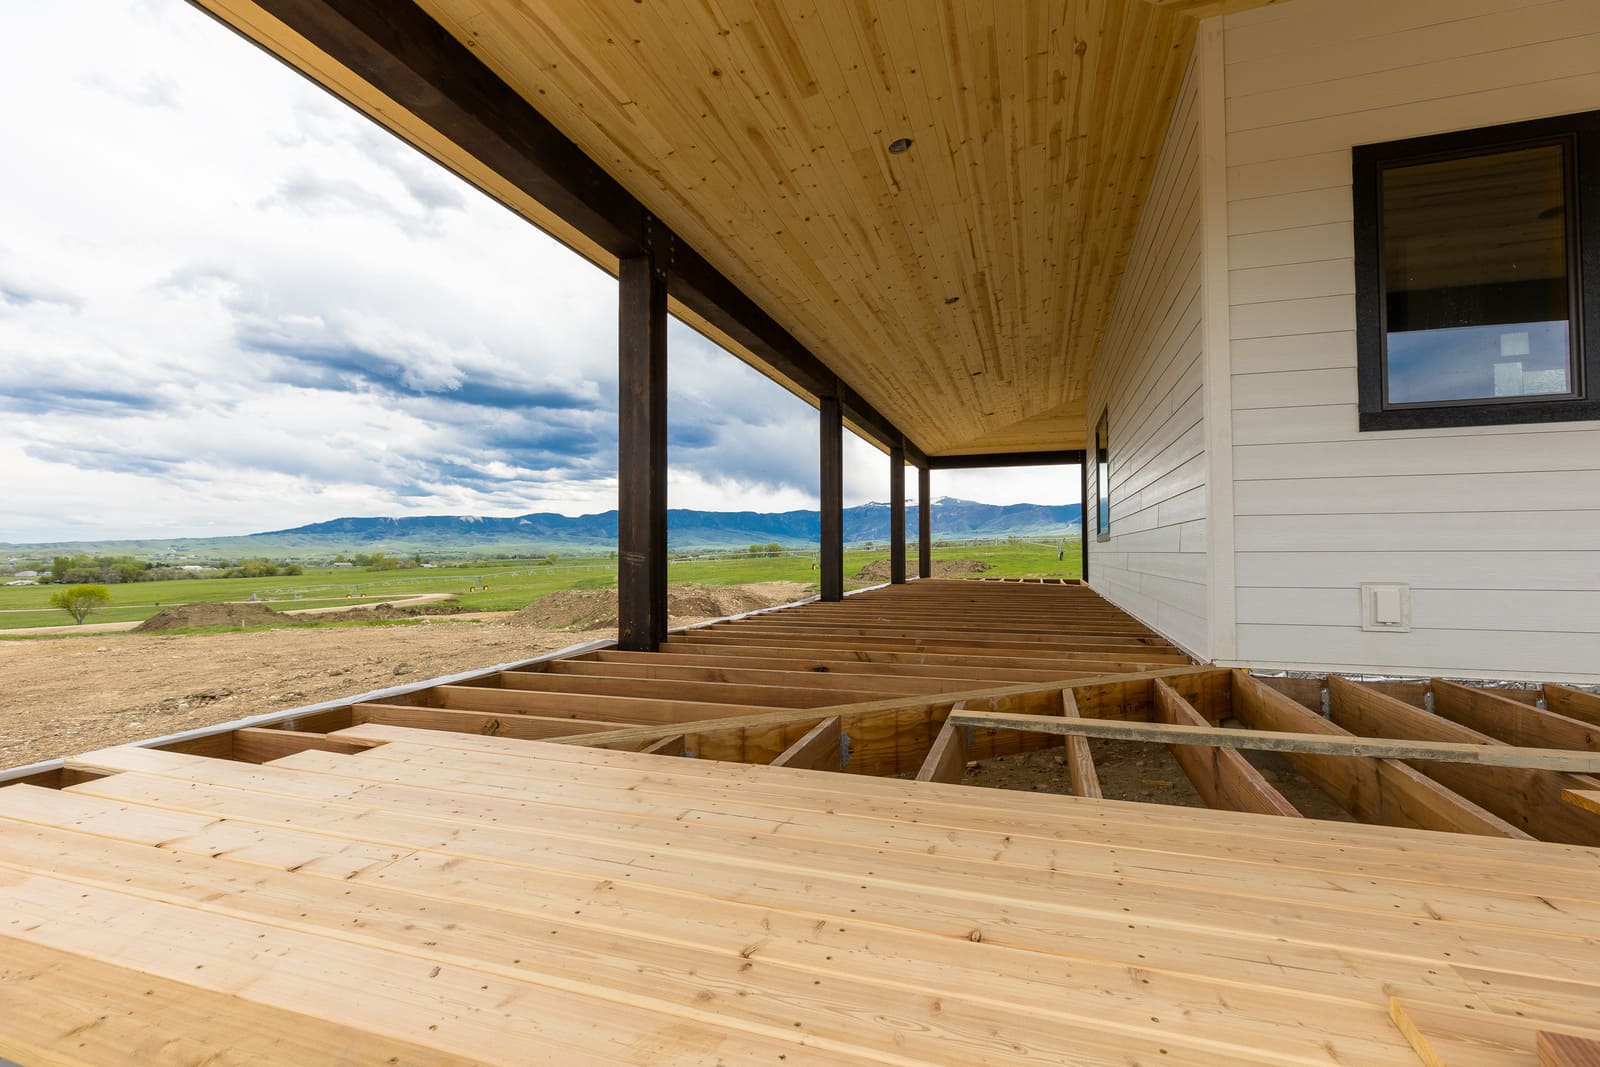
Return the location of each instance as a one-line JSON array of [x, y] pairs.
[[830, 557], [641, 455], [924, 524], [897, 513]]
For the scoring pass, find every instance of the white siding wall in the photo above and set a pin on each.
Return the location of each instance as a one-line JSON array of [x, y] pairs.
[[1148, 372], [1497, 529]]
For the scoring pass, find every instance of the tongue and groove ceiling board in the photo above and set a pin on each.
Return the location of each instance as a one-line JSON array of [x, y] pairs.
[[961, 287]]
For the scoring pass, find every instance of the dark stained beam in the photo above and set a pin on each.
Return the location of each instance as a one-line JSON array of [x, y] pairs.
[[641, 455], [924, 524], [1059, 457], [897, 514], [399, 50], [914, 455], [830, 557]]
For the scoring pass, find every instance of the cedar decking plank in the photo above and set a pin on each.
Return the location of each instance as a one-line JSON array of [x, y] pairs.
[[721, 824], [1160, 943], [495, 938]]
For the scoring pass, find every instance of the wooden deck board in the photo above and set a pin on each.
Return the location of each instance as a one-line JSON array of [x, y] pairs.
[[364, 863], [424, 885], [266, 862]]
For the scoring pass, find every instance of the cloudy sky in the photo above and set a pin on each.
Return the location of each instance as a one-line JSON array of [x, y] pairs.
[[228, 304]]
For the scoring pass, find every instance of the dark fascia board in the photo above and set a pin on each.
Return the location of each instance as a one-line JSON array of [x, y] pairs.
[[1060, 457], [402, 52]]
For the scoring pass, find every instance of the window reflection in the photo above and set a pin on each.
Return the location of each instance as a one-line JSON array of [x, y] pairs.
[[1475, 268], [1102, 466]]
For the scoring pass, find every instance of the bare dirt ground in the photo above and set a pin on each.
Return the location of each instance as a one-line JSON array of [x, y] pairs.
[[62, 696], [1131, 770], [76, 694]]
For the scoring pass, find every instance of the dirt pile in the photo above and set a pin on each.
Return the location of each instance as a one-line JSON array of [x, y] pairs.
[[596, 609], [384, 612], [194, 616], [570, 609], [878, 569]]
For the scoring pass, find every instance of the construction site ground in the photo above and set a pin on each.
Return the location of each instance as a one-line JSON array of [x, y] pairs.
[[67, 694]]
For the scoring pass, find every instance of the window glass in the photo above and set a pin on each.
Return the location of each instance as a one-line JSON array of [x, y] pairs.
[[1102, 477], [1475, 260]]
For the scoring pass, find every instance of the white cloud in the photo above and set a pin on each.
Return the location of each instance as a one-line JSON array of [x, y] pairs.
[[228, 303]]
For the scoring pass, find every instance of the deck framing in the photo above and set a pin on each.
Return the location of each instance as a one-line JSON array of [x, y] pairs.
[[527, 858]]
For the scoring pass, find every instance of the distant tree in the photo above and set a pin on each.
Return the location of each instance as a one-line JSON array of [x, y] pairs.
[[80, 601], [263, 568], [381, 561]]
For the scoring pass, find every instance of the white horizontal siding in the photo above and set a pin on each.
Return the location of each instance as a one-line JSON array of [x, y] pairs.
[[1148, 374], [1564, 611], [1454, 653], [1497, 529]]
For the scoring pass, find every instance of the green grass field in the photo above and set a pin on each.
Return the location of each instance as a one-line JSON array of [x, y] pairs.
[[491, 586]]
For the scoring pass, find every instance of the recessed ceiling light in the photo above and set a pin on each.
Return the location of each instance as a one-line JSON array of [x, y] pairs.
[[898, 145]]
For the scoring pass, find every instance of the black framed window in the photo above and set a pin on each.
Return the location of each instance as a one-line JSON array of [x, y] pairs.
[[1102, 477], [1478, 276]]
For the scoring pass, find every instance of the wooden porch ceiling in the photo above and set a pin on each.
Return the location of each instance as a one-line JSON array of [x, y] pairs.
[[960, 288]]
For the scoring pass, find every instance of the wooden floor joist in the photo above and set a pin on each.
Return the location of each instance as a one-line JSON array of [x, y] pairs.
[[1383, 791], [1222, 777], [1529, 799], [1573, 703], [1081, 774]]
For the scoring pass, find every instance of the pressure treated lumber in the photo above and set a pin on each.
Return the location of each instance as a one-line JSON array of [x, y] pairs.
[[1446, 1035], [1567, 1050], [710, 692], [1080, 757], [667, 746], [1275, 741], [527, 727], [1382, 791], [1511, 721], [256, 745], [1222, 777], [1573, 703], [818, 750], [1104, 696], [947, 758], [1529, 799]]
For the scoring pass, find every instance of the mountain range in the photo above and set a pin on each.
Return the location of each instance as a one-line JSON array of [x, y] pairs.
[[687, 530]]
